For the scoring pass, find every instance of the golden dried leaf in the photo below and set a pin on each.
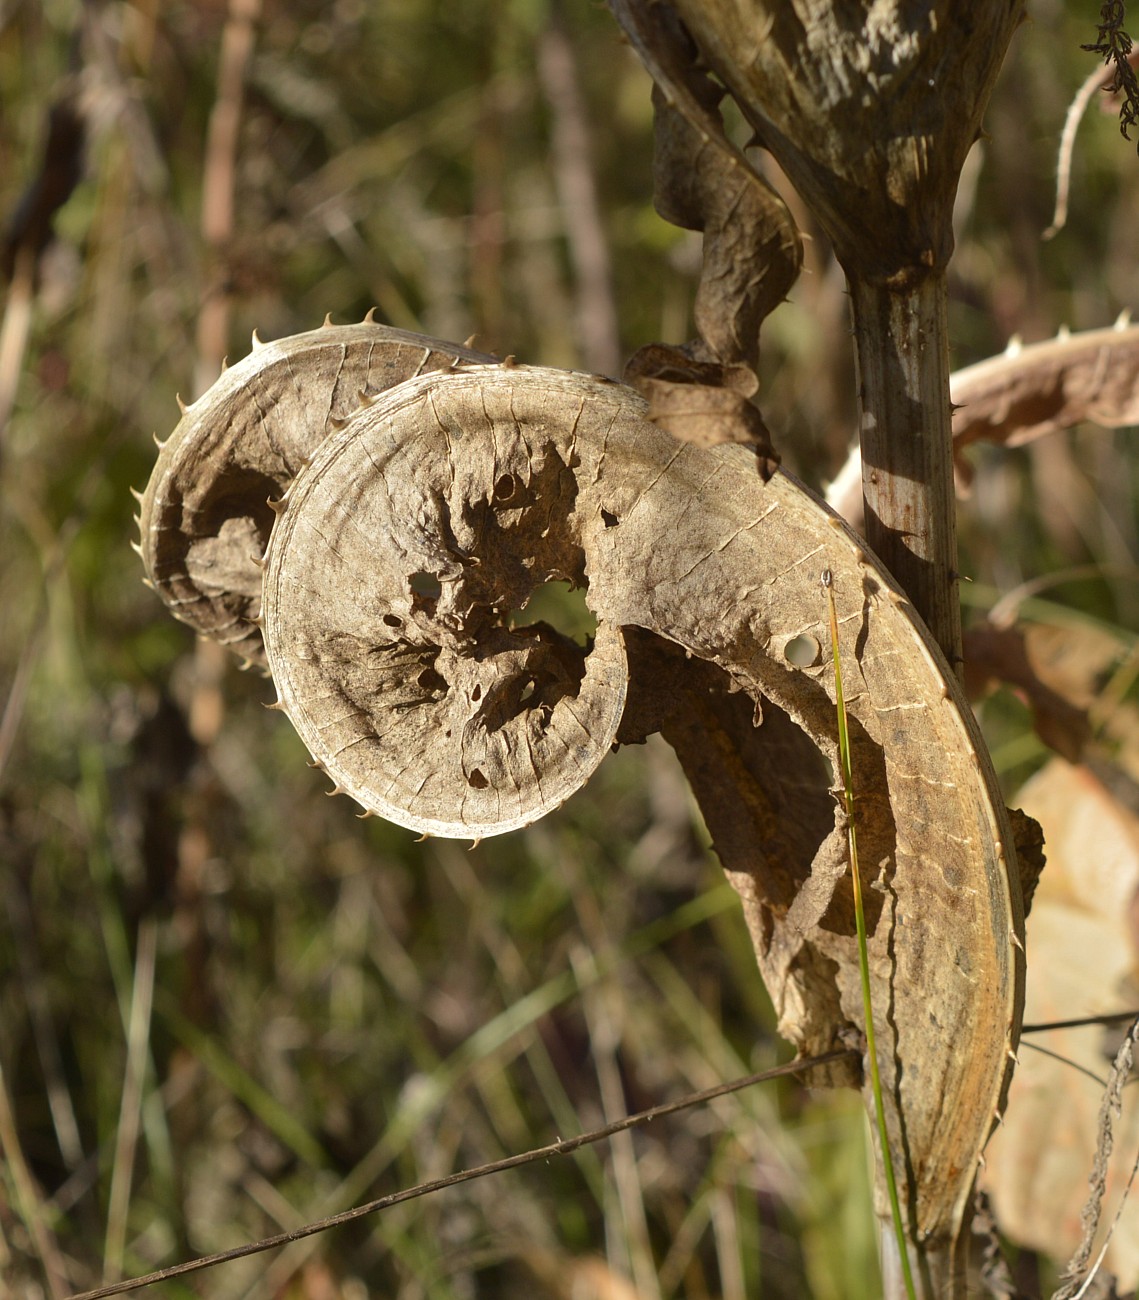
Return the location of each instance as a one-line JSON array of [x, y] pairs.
[[205, 518], [1084, 962], [405, 543], [705, 403]]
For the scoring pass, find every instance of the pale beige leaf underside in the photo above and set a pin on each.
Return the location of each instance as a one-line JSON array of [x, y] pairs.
[[420, 523]]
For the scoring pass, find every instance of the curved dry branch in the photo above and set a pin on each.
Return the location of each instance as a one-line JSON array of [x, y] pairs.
[[416, 528], [1044, 387], [205, 518], [1027, 392]]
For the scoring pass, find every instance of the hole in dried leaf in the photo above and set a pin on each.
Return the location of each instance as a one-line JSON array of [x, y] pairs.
[[426, 585], [802, 651], [476, 694], [392, 621], [609, 519], [505, 487], [477, 781], [559, 606], [431, 680]]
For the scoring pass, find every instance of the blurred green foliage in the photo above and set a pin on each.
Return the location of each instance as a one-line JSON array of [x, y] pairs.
[[337, 1011]]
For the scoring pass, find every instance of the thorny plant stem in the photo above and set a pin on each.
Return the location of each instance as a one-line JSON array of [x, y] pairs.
[[863, 953], [902, 352]]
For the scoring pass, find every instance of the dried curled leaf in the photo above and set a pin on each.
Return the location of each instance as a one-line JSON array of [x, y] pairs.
[[205, 517], [389, 584], [1017, 656], [701, 402], [399, 554], [752, 249]]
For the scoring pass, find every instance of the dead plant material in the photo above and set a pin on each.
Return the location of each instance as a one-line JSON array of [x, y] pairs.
[[1114, 45], [705, 403], [1030, 391], [205, 517], [752, 249], [1012, 655], [1077, 1275], [429, 513]]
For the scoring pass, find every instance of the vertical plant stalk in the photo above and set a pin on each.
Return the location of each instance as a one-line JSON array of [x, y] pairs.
[[218, 202], [905, 427]]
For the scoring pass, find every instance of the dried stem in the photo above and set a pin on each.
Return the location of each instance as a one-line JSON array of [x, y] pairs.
[[218, 199], [902, 354]]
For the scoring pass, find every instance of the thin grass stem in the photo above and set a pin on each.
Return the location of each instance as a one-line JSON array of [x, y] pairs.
[[863, 953]]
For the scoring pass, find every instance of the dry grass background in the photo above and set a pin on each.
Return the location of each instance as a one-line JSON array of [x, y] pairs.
[[227, 1006]]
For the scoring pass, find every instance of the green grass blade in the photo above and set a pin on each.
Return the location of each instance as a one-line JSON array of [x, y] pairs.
[[863, 954]]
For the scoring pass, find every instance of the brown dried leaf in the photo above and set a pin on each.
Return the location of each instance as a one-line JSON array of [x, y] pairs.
[[705, 403], [205, 519], [679, 366], [707, 417], [1030, 391], [392, 570], [1084, 962], [1005, 654], [1073, 676], [752, 250], [747, 269]]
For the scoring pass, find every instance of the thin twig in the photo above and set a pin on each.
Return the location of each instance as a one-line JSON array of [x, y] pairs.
[[559, 1148], [1096, 80], [1107, 1018], [1074, 1285], [1066, 1060]]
